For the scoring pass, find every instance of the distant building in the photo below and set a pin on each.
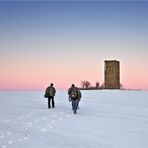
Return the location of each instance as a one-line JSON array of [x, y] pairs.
[[112, 74]]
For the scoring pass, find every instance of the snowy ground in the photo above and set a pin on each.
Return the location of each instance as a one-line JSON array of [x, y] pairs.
[[106, 119]]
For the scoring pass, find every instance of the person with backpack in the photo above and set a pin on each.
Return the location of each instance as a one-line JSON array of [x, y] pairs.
[[50, 93], [74, 97]]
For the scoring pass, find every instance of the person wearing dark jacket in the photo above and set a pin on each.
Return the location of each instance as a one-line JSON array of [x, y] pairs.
[[74, 97], [50, 93]]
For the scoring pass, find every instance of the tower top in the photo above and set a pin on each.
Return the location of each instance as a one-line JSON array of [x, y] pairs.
[[111, 61]]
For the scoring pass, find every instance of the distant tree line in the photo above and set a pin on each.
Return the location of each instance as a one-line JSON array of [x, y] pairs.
[[87, 85]]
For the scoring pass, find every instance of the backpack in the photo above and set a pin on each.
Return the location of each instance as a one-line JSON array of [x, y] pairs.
[[74, 94], [46, 95]]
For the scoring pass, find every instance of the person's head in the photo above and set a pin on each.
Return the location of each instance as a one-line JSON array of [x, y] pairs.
[[72, 85], [51, 84]]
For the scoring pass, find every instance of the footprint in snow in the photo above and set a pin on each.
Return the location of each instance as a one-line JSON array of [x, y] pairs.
[[2, 136], [50, 126], [29, 124], [43, 130], [36, 121], [69, 115], [26, 128], [54, 115], [6, 121], [20, 139], [53, 122], [44, 118], [8, 133], [25, 138], [60, 119], [10, 142], [62, 113], [21, 117], [58, 138], [28, 115]]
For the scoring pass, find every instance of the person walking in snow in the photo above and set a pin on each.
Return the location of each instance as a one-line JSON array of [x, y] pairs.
[[50, 93], [74, 97]]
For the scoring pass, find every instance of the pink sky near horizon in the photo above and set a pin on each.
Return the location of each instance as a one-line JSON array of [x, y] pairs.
[[38, 78]]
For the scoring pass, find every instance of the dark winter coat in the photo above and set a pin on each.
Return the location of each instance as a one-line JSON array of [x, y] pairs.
[[50, 91], [78, 93]]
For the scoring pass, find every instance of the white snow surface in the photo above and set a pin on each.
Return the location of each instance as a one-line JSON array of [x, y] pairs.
[[106, 119]]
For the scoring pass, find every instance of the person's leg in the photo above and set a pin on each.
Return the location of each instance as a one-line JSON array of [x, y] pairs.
[[53, 105], [74, 104], [49, 102], [77, 104]]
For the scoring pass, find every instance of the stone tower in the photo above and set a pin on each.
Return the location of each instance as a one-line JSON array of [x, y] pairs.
[[112, 74]]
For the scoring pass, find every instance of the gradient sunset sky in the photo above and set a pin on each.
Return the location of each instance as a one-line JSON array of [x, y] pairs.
[[65, 42]]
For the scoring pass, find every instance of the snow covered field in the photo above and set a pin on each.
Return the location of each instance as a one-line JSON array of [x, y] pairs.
[[106, 119]]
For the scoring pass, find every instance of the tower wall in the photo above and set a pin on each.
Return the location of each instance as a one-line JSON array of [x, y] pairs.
[[112, 74]]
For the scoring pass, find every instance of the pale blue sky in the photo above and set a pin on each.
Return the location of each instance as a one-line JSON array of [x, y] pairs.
[[74, 35]]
